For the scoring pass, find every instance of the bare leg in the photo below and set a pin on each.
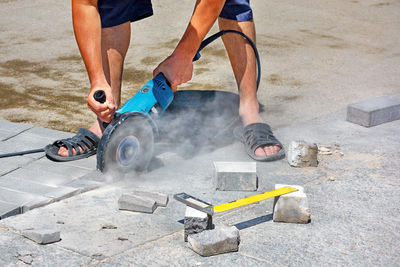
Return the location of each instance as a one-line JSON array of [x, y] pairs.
[[243, 61], [114, 45]]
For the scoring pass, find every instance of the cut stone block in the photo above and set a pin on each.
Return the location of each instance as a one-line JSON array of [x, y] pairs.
[[196, 221], [235, 176], [136, 203], [302, 154], [160, 199], [374, 111], [8, 209], [292, 207], [217, 241], [43, 236]]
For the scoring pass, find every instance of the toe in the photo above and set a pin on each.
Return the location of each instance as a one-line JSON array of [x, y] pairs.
[[63, 151], [260, 152], [269, 150]]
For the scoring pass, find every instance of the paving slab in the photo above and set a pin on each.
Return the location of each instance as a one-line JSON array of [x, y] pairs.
[[10, 129], [12, 163], [85, 233], [13, 245], [8, 209], [48, 172], [84, 185], [375, 111]]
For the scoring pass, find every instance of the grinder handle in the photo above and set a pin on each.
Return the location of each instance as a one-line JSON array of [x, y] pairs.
[[100, 96]]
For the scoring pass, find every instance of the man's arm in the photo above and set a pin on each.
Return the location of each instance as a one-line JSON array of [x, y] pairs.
[[178, 67], [87, 29]]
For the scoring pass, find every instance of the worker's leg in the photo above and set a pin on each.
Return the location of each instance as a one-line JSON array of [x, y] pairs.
[[114, 45], [243, 61]]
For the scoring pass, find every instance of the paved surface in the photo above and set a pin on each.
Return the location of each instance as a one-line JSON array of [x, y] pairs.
[[31, 181], [317, 58], [353, 200]]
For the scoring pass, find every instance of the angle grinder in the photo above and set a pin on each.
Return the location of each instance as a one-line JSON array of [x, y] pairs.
[[127, 142]]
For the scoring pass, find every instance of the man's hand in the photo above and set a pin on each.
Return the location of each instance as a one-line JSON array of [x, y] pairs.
[[104, 111], [177, 68]]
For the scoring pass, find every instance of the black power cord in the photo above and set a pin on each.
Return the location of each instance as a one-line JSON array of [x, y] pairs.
[[215, 36]]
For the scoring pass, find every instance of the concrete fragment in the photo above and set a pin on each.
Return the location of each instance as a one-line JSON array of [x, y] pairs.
[[136, 203], [43, 236], [196, 221], [292, 207], [217, 241], [302, 154], [375, 111], [235, 176], [160, 199]]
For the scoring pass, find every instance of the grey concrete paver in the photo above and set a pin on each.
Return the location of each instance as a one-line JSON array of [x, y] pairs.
[[9, 164], [84, 185], [375, 111], [8, 209], [13, 244], [48, 172], [10, 129], [84, 216], [159, 253]]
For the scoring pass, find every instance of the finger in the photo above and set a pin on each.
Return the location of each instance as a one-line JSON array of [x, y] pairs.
[[156, 71], [106, 116], [174, 87]]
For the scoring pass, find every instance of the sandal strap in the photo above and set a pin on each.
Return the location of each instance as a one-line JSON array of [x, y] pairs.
[[84, 139], [259, 134]]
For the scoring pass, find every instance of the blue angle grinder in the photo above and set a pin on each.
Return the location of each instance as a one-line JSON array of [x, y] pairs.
[[127, 142]]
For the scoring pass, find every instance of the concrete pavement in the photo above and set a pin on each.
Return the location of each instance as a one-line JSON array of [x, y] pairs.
[[354, 209]]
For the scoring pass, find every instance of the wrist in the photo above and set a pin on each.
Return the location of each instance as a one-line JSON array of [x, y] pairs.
[[185, 51], [99, 82]]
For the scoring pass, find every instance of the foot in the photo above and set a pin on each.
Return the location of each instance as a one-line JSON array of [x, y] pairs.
[[249, 114], [96, 128]]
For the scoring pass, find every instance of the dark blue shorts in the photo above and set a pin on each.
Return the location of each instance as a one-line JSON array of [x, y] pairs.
[[116, 12], [238, 10]]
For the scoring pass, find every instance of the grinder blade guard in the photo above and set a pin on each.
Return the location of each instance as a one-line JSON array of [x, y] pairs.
[[127, 142]]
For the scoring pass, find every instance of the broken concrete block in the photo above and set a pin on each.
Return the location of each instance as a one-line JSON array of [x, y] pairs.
[[375, 111], [292, 207], [235, 176], [136, 203], [217, 241], [196, 221], [302, 154], [43, 236], [160, 199]]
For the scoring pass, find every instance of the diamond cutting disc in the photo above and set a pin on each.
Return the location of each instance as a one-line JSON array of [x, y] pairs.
[[126, 145]]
